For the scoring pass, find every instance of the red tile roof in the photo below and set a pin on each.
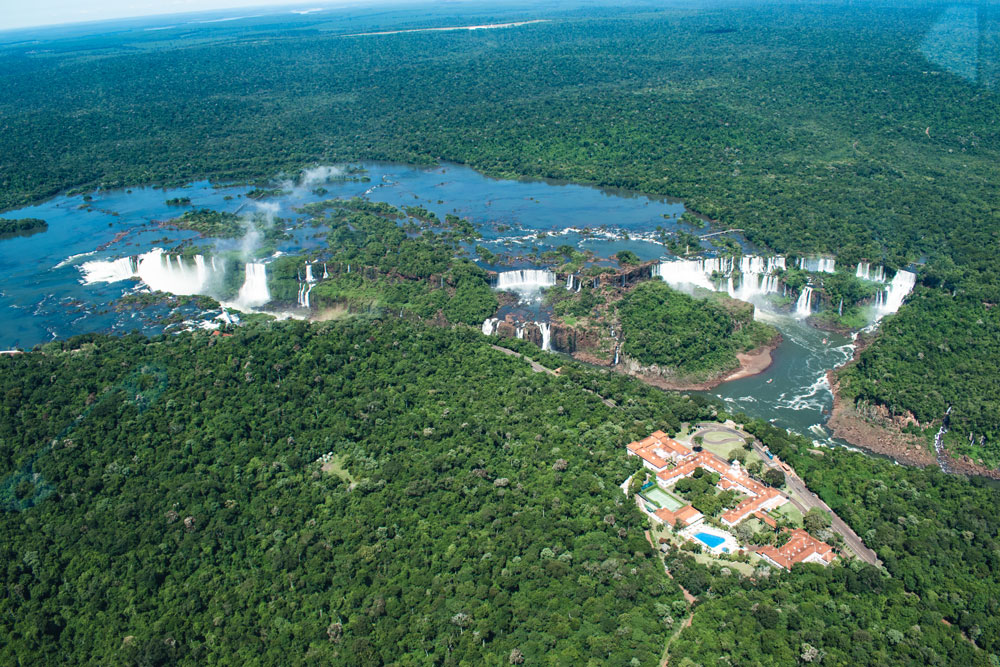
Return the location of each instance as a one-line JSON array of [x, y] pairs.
[[656, 446], [801, 546]]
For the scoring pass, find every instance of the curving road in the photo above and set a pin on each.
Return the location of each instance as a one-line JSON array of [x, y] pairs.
[[800, 495]]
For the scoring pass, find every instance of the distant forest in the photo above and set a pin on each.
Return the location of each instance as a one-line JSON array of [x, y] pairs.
[[812, 127]]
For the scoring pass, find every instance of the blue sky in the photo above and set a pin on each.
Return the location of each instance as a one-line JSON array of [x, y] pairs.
[[27, 13]]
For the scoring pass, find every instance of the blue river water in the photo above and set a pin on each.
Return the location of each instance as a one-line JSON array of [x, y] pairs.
[[44, 293]]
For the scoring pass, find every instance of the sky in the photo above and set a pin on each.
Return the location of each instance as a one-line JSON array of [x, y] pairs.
[[23, 14]]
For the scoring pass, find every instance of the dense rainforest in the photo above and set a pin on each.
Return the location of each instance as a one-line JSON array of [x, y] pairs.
[[868, 131], [695, 337], [364, 492], [164, 502]]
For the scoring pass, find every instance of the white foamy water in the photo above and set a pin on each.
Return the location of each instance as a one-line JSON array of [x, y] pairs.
[[254, 292], [891, 299], [157, 270], [72, 259], [751, 277]]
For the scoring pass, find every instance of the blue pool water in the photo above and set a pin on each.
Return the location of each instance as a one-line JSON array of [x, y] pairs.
[[711, 540]]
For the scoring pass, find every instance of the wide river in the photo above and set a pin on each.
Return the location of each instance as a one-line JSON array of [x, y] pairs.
[[44, 294]]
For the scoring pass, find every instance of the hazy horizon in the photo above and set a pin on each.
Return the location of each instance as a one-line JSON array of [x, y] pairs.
[[54, 13]]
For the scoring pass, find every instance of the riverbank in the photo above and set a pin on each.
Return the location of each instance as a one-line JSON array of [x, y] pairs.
[[847, 424], [886, 438], [751, 363]]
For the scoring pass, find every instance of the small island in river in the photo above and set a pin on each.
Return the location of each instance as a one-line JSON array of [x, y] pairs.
[[21, 227]]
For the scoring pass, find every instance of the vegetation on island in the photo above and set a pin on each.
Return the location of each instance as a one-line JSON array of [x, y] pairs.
[[373, 264], [694, 337], [22, 226], [212, 223]]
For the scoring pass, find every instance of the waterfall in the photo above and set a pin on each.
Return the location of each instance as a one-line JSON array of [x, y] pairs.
[[753, 276], [546, 336], [617, 349], [103, 271], [891, 298], [840, 308], [597, 283], [865, 272], [309, 274], [803, 307], [157, 270], [525, 279], [490, 326], [817, 264], [254, 291], [519, 331], [326, 274], [528, 283], [303, 298], [569, 282]]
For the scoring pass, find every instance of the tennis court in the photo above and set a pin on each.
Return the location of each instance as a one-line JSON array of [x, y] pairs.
[[661, 498]]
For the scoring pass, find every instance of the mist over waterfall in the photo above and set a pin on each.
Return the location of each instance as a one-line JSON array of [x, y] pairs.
[[490, 326], [528, 283], [803, 307], [865, 271], [891, 298], [254, 292], [158, 271], [752, 276]]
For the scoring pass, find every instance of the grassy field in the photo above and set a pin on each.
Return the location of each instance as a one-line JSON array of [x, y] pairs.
[[790, 512]]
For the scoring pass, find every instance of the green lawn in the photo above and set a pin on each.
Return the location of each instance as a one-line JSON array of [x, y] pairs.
[[790, 512]]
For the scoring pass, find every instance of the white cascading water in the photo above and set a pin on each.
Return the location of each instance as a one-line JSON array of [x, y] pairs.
[[546, 336], [889, 300], [254, 291], [865, 272], [306, 286], [490, 326], [803, 307], [326, 274], [525, 279], [757, 275], [158, 271], [569, 282], [519, 331], [817, 264]]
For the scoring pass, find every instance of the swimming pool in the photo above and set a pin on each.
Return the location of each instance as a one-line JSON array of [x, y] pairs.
[[709, 539]]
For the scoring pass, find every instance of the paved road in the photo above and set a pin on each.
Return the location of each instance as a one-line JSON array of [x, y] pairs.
[[804, 500]]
